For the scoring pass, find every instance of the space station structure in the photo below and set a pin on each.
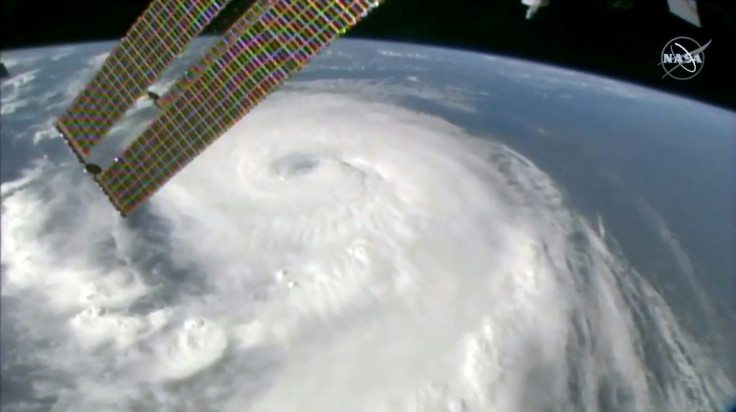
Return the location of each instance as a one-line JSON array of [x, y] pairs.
[[684, 9], [264, 47], [533, 6]]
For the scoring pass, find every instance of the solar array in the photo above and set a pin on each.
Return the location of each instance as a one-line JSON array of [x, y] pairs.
[[152, 43], [222, 45], [260, 51]]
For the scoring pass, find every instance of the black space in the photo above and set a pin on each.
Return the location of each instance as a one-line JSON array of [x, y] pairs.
[[589, 35]]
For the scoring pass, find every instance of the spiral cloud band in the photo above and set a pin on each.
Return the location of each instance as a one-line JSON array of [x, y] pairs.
[[333, 253]]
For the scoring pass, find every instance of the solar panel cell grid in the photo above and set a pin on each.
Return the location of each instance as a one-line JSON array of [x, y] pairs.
[[127, 71], [221, 46], [243, 75]]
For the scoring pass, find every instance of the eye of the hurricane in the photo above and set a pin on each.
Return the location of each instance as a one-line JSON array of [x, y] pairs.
[[294, 165]]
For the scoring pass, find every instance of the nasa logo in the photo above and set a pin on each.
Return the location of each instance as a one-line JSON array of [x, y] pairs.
[[682, 58]]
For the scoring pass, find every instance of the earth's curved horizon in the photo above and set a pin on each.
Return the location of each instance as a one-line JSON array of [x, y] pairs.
[[397, 228]]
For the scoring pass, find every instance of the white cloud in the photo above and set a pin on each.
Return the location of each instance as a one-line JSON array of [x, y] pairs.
[[447, 96], [391, 53], [332, 253]]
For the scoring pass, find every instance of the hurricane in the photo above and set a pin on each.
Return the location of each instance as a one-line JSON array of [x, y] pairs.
[[335, 253]]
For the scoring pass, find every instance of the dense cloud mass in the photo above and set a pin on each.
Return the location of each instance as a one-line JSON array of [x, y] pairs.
[[336, 254]]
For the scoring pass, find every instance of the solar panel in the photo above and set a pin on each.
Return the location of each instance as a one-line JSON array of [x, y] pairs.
[[151, 44], [222, 45], [265, 54]]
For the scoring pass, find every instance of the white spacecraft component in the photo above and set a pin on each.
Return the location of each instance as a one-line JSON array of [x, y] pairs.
[[533, 5], [686, 10]]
